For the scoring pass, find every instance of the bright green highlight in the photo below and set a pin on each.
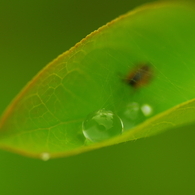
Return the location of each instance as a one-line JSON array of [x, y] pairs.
[[46, 119]]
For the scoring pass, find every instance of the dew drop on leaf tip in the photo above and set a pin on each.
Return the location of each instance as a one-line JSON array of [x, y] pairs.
[[101, 125]]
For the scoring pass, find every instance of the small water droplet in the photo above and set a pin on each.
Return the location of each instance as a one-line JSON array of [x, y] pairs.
[[130, 115], [132, 110], [45, 156], [146, 109], [135, 114], [102, 125]]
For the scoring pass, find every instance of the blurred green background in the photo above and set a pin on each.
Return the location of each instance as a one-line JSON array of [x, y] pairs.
[[32, 33]]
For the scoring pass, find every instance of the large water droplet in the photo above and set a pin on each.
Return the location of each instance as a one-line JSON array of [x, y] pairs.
[[102, 125]]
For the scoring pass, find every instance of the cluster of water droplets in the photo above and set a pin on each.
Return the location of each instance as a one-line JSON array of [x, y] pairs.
[[104, 124]]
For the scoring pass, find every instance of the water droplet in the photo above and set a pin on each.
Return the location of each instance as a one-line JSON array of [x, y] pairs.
[[135, 114], [45, 156], [132, 110], [146, 109], [102, 125], [130, 115]]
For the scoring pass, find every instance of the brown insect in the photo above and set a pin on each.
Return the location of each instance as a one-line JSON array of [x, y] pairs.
[[140, 76]]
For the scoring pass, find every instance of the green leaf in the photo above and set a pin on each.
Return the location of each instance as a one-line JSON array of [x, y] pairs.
[[123, 78]]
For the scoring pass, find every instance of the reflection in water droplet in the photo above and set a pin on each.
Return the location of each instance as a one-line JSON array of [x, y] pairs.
[[45, 156], [102, 125], [146, 109]]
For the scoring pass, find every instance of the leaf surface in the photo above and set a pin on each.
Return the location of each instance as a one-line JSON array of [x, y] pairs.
[[105, 72]]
